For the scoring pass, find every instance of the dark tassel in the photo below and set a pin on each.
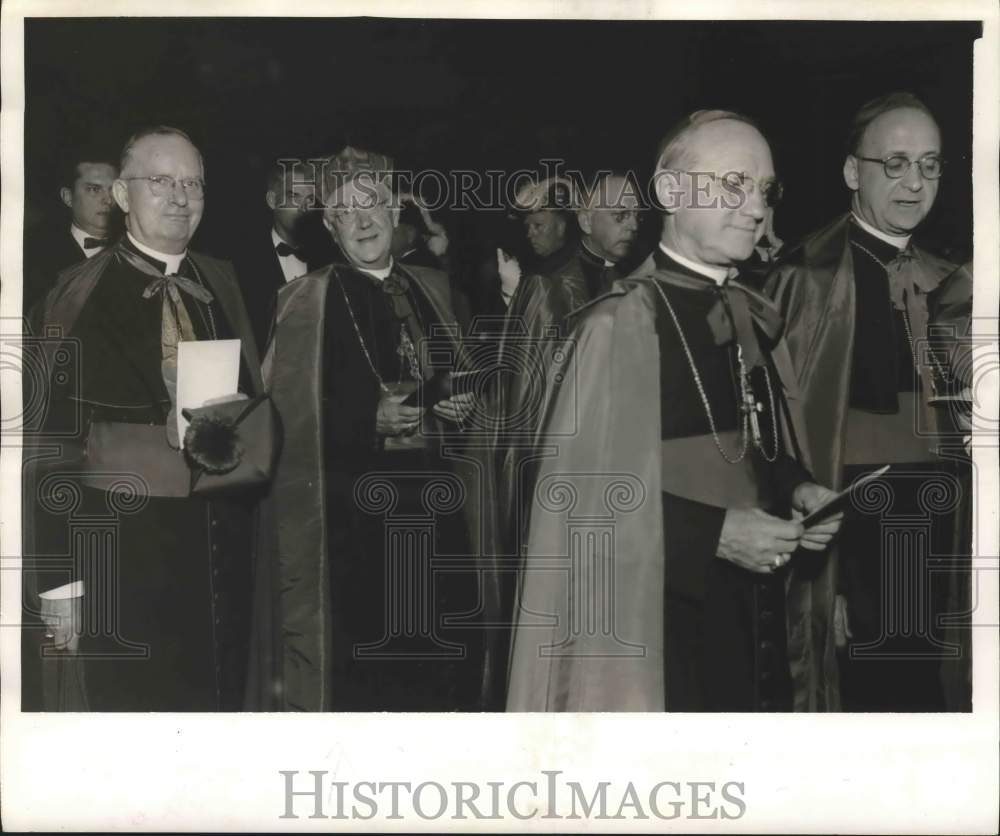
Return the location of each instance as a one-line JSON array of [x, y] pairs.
[[211, 444]]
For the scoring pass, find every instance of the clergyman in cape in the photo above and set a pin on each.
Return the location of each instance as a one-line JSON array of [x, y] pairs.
[[664, 540], [878, 331], [374, 593], [145, 586]]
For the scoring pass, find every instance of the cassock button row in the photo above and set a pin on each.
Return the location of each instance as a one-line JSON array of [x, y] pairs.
[[766, 646], [766, 616], [766, 705], [215, 571]]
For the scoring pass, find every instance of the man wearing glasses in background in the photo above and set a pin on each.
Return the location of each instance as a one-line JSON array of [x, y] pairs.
[[675, 426], [169, 587], [860, 300]]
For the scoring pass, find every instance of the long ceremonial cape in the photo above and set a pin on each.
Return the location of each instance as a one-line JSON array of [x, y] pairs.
[[63, 682], [814, 289], [291, 663], [589, 634], [534, 328]]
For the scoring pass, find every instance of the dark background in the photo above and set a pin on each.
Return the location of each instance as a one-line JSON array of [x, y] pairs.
[[484, 95]]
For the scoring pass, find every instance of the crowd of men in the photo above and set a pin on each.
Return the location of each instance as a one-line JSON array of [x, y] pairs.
[[614, 500]]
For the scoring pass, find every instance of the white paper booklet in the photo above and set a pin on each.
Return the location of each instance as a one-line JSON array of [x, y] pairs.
[[206, 369]]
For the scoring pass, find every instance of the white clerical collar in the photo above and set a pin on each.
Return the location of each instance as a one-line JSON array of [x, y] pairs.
[[716, 274], [381, 274], [900, 242], [171, 260], [607, 262]]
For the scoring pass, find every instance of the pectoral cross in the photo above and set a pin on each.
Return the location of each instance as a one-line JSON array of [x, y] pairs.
[[749, 405]]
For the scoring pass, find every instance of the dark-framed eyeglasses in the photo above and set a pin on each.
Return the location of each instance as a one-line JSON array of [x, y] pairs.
[[896, 165], [163, 184]]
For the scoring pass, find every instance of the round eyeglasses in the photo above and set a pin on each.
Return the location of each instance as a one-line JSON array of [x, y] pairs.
[[895, 166]]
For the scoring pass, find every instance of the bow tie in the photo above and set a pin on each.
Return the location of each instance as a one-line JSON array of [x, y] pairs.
[[735, 313], [282, 249], [92, 243], [173, 285]]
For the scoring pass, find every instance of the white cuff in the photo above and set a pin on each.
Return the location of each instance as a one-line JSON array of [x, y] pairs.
[[61, 593]]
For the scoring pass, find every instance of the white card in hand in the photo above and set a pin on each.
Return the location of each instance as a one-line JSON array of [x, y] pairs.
[[206, 369]]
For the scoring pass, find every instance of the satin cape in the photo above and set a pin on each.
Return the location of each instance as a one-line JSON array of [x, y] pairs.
[[814, 288], [63, 680], [292, 654], [589, 634]]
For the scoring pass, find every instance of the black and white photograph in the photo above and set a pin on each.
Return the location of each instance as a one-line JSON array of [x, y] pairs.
[[438, 418]]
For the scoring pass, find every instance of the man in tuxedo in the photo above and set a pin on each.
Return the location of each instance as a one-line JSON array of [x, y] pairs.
[[676, 492], [85, 190], [291, 246], [863, 305], [164, 593]]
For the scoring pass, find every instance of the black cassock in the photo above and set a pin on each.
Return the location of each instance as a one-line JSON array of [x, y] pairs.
[[725, 642], [394, 627], [167, 576]]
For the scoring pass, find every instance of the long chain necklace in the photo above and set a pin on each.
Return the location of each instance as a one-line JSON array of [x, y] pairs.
[[361, 340], [936, 367], [208, 306], [748, 405]]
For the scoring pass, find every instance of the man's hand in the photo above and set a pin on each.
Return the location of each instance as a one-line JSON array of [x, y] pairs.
[[437, 237], [456, 408], [807, 497], [756, 540], [63, 619], [393, 418], [510, 272]]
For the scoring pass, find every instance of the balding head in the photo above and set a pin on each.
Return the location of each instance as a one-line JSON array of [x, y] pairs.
[[161, 189], [715, 177], [609, 216]]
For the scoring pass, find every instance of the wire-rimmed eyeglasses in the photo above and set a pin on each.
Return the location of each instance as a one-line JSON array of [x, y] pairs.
[[164, 184]]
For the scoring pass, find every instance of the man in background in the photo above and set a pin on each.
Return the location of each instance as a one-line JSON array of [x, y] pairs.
[[609, 221], [85, 190], [291, 246]]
